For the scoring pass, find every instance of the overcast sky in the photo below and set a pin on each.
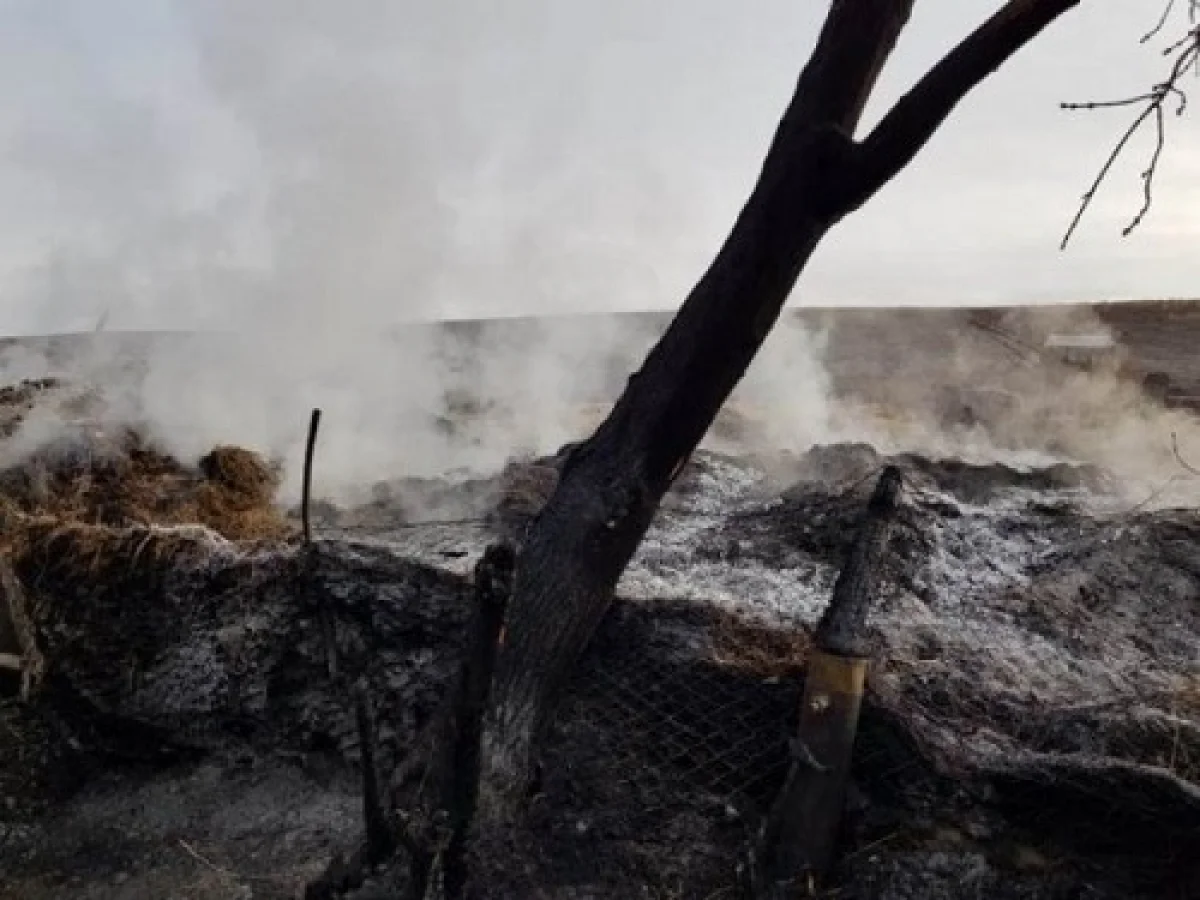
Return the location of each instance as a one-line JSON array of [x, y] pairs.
[[226, 163]]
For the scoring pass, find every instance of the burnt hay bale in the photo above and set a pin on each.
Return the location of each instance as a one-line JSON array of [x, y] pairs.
[[241, 472]]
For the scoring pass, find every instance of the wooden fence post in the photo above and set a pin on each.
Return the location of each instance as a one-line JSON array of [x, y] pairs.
[[797, 840]]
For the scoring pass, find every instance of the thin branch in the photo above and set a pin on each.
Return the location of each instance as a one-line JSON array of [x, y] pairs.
[[1161, 24], [1148, 173], [1105, 169], [1152, 496], [909, 125], [205, 861], [1184, 464], [1186, 52], [324, 613], [306, 490]]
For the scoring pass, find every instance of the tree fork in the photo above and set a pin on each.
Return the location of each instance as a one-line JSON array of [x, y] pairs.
[[814, 174]]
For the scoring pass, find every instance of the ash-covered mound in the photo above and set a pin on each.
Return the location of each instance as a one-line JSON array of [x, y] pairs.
[[1032, 645], [961, 527], [182, 693], [836, 467], [189, 638], [67, 482], [1032, 727]]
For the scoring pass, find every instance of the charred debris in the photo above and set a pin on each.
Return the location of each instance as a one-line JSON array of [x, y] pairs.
[[855, 676]]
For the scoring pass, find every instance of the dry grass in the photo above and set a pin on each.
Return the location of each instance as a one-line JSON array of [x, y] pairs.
[[759, 650], [122, 482], [87, 551]]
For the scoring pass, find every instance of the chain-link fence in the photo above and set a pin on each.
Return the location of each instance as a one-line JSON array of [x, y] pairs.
[[670, 747]]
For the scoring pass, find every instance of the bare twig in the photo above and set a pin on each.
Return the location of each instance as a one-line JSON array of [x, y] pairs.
[[205, 861], [1186, 53], [1151, 497], [229, 873], [1161, 24]]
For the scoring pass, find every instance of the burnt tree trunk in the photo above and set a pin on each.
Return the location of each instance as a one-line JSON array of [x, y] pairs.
[[611, 485]]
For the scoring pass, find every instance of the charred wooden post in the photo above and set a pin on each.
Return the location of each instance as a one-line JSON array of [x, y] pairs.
[[381, 835], [18, 655], [447, 805], [797, 842], [10, 643], [314, 423], [324, 616], [840, 631], [460, 785], [434, 828]]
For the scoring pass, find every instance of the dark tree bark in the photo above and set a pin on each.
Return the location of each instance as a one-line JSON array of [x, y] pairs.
[[843, 625], [610, 487]]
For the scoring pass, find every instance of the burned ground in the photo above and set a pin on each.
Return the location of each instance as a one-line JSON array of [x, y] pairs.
[[1032, 728]]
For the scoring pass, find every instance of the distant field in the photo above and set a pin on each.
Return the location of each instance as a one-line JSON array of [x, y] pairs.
[[863, 347]]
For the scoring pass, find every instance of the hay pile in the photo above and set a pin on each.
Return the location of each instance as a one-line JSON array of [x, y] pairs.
[[121, 481], [83, 498]]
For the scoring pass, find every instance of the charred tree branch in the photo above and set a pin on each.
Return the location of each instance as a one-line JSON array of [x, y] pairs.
[[909, 125]]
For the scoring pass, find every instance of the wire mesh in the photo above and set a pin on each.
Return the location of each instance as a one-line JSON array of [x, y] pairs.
[[690, 723], [661, 763]]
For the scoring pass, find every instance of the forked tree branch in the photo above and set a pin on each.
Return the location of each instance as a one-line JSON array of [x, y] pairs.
[[909, 125]]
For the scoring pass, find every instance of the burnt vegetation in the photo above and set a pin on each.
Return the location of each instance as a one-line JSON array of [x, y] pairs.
[[336, 717]]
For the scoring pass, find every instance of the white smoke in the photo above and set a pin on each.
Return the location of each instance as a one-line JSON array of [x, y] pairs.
[[302, 176]]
